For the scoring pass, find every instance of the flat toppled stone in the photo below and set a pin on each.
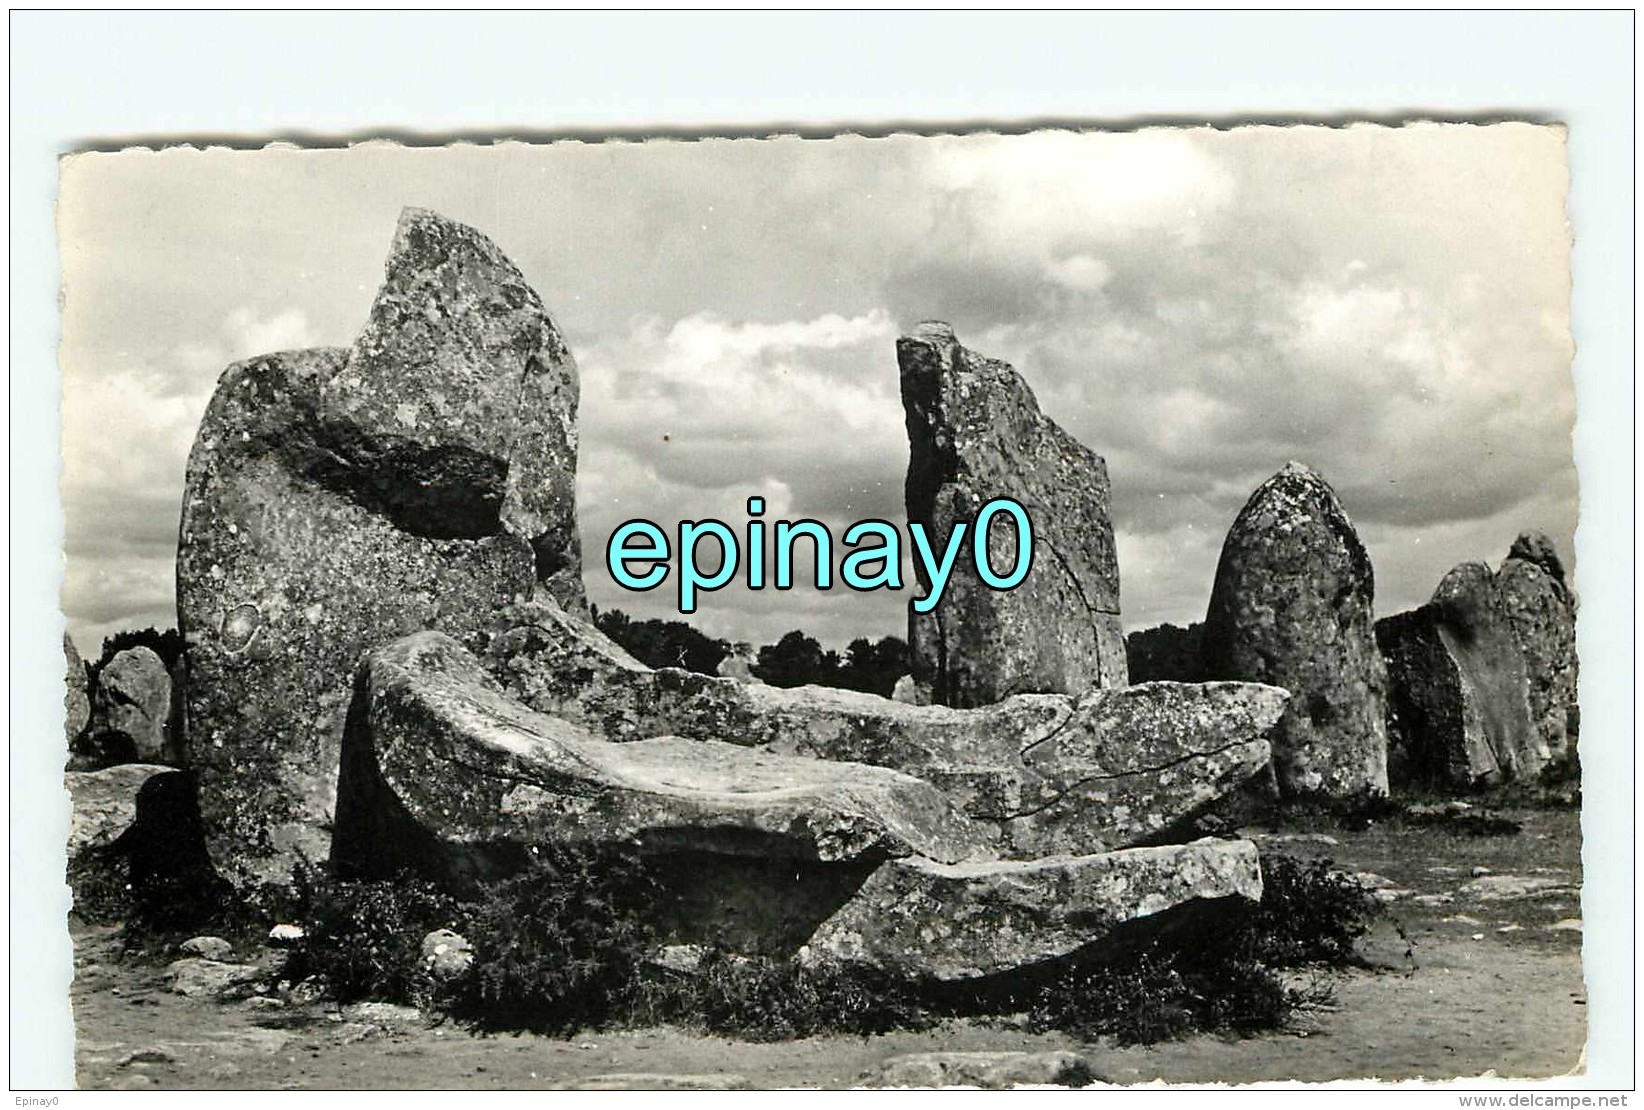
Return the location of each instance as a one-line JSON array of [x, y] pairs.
[[442, 772], [966, 921], [1054, 774]]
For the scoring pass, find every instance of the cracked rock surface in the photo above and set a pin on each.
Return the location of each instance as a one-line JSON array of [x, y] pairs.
[[1051, 773], [1483, 677], [446, 776], [971, 920], [337, 498], [975, 433]]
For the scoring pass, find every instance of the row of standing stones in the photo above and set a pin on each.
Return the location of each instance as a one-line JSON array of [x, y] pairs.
[[389, 666]]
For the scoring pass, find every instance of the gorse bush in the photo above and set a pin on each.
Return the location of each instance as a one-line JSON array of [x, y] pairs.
[[364, 937], [562, 945], [569, 944], [765, 999], [1309, 914]]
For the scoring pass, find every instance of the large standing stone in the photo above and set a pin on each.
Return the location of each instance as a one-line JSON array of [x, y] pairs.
[[76, 700], [336, 499], [1110, 769], [131, 709], [1292, 606], [1437, 735], [1541, 609], [928, 920], [1482, 677], [976, 433]]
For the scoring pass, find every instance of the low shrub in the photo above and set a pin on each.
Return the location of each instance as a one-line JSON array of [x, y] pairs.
[[569, 943], [562, 945], [1309, 914], [364, 937], [765, 999]]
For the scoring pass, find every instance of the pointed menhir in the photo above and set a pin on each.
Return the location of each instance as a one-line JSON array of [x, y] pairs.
[[1293, 607], [975, 433]]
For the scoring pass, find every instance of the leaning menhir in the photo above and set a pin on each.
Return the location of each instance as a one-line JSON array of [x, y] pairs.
[[975, 432], [1292, 606], [336, 498]]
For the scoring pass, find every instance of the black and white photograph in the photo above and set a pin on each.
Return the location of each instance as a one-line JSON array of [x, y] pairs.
[[1061, 606]]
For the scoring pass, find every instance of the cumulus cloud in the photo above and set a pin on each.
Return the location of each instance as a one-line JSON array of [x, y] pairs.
[[127, 429], [1389, 305]]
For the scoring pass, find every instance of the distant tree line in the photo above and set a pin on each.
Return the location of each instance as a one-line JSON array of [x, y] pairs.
[[167, 644], [794, 660]]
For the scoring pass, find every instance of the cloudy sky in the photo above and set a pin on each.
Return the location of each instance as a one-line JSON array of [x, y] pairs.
[[1199, 307]]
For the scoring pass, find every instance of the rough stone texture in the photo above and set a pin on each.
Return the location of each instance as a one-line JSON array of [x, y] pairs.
[[103, 804], [225, 982], [907, 692], [738, 664], [1541, 610], [336, 499], [76, 700], [658, 1081], [1537, 548], [207, 947], [1055, 774], [1436, 733], [444, 774], [461, 381], [446, 954], [990, 1071], [1482, 676], [926, 920], [131, 709], [1293, 606], [1166, 653], [975, 433]]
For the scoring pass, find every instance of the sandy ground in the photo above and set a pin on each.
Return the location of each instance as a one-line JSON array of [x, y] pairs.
[[1486, 977]]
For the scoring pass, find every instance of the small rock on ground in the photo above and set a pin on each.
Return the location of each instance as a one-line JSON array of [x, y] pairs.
[[989, 1070], [209, 948]]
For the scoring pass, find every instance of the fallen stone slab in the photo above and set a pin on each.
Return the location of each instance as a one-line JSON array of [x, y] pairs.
[[444, 774], [336, 498], [1514, 888], [928, 920], [1055, 774], [990, 1071], [208, 947], [975, 433]]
